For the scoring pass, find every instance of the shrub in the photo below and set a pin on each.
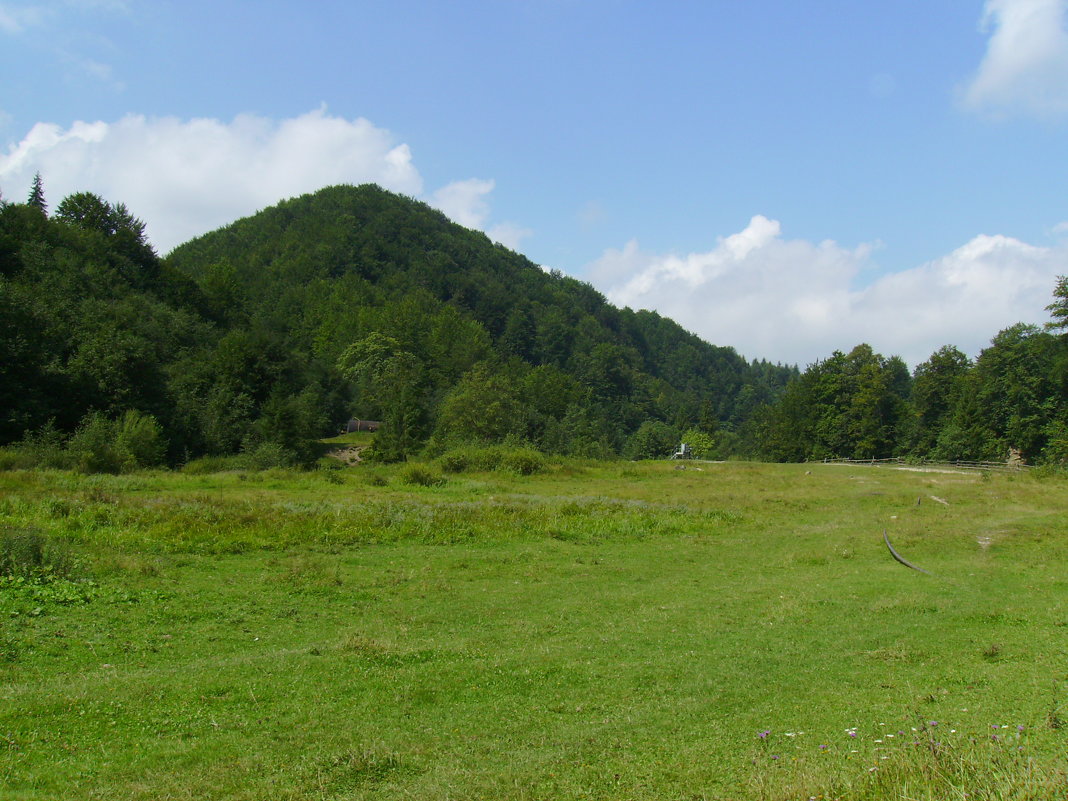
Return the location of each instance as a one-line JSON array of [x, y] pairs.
[[139, 440], [215, 464], [420, 475], [453, 461], [43, 448], [492, 457], [101, 445], [653, 440], [524, 461], [702, 445], [270, 455], [93, 448]]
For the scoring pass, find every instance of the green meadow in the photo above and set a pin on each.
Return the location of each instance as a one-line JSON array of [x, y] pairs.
[[589, 631]]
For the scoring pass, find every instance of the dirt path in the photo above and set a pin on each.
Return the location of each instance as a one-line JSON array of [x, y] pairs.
[[349, 455]]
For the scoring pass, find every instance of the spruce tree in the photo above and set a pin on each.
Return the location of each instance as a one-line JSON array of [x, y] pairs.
[[37, 197]]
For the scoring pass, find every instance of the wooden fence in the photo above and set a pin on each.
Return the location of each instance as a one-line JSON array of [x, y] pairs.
[[962, 465]]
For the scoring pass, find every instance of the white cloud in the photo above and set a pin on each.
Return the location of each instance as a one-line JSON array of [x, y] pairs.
[[464, 202], [1025, 68], [508, 234], [796, 301], [187, 177]]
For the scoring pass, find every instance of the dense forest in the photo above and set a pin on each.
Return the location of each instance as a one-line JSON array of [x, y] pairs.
[[271, 332], [352, 301]]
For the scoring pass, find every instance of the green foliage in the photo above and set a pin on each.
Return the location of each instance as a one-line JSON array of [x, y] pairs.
[[102, 445], [522, 461], [140, 439], [937, 385], [702, 445], [392, 379], [654, 439], [93, 447], [28, 553], [420, 475], [45, 447], [268, 455], [1058, 309], [36, 197], [846, 406], [484, 407], [207, 465], [351, 301]]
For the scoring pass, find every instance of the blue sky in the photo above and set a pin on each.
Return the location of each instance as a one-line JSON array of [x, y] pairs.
[[786, 178]]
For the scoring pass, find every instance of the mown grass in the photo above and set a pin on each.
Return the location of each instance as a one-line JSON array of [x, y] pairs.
[[589, 631]]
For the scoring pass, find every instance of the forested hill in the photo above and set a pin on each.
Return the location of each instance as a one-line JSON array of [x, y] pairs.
[[350, 301], [486, 330]]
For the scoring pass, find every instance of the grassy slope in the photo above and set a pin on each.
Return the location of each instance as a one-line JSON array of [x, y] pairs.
[[620, 631]]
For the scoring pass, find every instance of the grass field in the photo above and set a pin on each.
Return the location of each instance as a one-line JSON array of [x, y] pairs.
[[601, 631]]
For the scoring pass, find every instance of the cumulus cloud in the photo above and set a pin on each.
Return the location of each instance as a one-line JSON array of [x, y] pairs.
[[796, 301], [464, 202], [187, 177], [1025, 68]]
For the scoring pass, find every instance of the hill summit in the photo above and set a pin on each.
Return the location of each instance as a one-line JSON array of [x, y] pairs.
[[350, 301]]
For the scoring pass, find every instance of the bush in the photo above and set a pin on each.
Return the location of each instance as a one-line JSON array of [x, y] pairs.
[[101, 445], [43, 448], [653, 440], [420, 475], [453, 462], [524, 461], [270, 455], [702, 445], [92, 448], [215, 464], [492, 457], [139, 440]]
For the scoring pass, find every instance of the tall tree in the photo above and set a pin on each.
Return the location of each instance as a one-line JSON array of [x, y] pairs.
[[37, 197], [936, 388], [392, 379], [1058, 309]]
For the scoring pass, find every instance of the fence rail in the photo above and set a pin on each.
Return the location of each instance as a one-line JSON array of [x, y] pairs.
[[962, 465]]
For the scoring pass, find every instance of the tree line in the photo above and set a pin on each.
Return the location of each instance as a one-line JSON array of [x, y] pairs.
[[1011, 400], [269, 333]]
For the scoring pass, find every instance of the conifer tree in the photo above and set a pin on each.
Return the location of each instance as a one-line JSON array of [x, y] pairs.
[[37, 197]]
